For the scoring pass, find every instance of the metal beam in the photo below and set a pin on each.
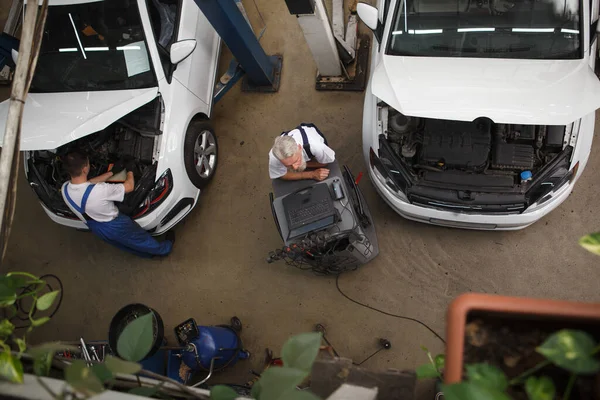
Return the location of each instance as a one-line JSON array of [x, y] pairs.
[[321, 42], [230, 24]]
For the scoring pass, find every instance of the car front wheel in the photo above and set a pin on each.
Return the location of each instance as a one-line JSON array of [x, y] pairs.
[[200, 153]]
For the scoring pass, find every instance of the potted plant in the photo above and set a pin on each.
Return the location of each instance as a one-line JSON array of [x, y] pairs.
[[501, 347]]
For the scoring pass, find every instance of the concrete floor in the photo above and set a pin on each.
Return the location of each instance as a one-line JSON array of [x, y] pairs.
[[218, 266]]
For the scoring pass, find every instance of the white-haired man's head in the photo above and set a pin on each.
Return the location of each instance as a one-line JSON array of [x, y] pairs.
[[289, 153]]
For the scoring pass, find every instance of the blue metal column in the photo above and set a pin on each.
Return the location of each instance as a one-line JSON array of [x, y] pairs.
[[263, 71]]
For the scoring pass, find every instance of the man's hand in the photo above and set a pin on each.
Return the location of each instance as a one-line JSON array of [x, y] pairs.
[[320, 174], [129, 183]]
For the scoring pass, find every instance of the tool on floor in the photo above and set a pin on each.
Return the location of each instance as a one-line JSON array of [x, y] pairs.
[[321, 328], [84, 351], [384, 344]]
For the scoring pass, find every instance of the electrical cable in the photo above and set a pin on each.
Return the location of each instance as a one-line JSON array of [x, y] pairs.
[[368, 358], [21, 309], [337, 285]]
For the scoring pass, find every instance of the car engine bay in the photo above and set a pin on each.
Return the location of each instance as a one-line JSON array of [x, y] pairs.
[[456, 152], [134, 137]]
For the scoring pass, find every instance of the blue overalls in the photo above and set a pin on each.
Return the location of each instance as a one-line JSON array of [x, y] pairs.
[[121, 232]]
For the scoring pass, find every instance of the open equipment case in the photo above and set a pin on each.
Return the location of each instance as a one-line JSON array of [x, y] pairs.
[[330, 249]]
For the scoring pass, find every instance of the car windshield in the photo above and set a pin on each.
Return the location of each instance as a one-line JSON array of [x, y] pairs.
[[529, 29], [98, 45]]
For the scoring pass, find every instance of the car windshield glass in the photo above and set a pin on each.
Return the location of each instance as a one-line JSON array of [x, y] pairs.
[[99, 45], [530, 29]]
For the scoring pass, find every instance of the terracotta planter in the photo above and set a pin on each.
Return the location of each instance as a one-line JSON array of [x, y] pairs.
[[519, 306]]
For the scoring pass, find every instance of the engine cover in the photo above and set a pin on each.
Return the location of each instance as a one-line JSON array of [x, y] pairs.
[[456, 143]]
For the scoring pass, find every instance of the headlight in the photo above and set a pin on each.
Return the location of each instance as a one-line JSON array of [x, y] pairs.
[[157, 195]]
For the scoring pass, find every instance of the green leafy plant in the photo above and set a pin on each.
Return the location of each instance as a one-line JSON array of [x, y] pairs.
[[279, 383], [572, 350], [133, 344], [16, 286], [591, 243]]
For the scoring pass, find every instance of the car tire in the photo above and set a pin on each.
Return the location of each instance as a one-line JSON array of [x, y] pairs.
[[200, 153]]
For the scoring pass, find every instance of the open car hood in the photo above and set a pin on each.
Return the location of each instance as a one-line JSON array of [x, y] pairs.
[[51, 120], [549, 92]]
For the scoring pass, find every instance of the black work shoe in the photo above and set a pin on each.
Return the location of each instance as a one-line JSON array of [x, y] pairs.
[[170, 236]]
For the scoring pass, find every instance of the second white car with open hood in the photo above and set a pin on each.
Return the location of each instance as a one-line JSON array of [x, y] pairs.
[[479, 114]]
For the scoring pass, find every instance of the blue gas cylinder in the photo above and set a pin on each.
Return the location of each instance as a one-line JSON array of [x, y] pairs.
[[220, 342]]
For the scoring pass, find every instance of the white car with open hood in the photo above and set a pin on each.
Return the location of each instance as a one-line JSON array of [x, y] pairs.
[[479, 114], [124, 79]]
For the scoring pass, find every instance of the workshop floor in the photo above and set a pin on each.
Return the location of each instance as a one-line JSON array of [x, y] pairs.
[[218, 266]]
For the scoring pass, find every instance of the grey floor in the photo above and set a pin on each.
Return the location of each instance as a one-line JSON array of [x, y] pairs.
[[218, 266]]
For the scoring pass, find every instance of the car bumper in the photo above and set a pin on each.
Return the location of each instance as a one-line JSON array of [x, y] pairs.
[[469, 221], [156, 222]]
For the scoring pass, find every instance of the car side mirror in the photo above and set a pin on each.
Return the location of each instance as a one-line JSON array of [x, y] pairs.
[[369, 15], [181, 50]]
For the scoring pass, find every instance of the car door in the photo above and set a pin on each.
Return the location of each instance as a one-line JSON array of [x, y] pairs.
[[177, 20], [198, 71]]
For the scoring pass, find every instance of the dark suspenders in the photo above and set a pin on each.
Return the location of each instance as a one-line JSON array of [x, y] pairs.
[[305, 142], [86, 194]]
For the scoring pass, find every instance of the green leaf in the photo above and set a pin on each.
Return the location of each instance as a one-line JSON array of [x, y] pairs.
[[42, 362], [472, 391], [11, 368], [301, 350], [21, 344], [427, 371], [145, 391], [82, 379], [256, 389], [135, 341], [14, 274], [8, 293], [40, 321], [18, 282], [541, 388], [45, 301], [487, 375], [301, 395], [591, 242], [222, 392], [118, 366], [102, 372], [6, 329], [43, 355], [440, 362], [571, 350], [275, 382]]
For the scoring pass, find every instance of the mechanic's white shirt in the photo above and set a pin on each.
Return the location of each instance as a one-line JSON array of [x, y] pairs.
[[100, 204], [323, 153]]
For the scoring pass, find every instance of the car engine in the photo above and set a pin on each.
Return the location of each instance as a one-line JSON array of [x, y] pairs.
[[134, 137], [477, 147]]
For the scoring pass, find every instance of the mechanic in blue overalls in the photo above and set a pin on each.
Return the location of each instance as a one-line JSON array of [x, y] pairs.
[[295, 151], [93, 201]]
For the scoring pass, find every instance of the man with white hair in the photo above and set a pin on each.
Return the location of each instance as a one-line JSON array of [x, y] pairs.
[[295, 151]]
